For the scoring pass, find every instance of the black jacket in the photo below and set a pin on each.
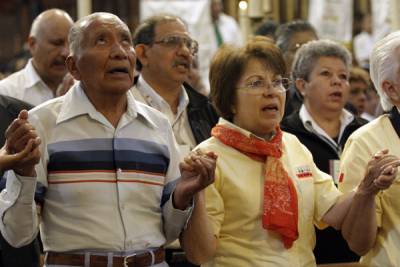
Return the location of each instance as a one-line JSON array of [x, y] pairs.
[[321, 150], [9, 110], [330, 246], [27, 256], [202, 115]]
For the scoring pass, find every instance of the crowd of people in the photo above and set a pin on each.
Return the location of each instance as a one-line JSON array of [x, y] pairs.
[[113, 156]]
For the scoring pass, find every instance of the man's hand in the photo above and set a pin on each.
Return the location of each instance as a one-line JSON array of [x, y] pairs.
[[197, 171], [21, 151], [19, 133], [380, 174]]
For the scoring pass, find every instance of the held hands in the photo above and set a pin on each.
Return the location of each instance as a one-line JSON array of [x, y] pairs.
[[197, 172], [21, 151], [380, 174]]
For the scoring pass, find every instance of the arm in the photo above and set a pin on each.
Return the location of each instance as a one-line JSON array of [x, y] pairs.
[[195, 175], [17, 209], [198, 239], [360, 225]]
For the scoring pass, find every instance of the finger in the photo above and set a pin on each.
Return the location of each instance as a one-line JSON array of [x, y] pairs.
[[212, 155], [24, 153], [18, 144], [19, 129], [23, 114], [183, 166], [390, 162]]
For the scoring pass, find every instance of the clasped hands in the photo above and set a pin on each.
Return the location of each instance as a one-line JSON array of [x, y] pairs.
[[197, 172], [21, 150], [381, 172]]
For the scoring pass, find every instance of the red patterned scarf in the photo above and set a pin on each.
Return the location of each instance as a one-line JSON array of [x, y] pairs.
[[280, 198]]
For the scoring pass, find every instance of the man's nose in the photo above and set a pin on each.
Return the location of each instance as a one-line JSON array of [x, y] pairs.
[[65, 50], [118, 51]]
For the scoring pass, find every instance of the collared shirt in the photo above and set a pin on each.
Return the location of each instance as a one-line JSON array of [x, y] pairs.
[[360, 147], [179, 121], [108, 188], [311, 125], [234, 205], [26, 85]]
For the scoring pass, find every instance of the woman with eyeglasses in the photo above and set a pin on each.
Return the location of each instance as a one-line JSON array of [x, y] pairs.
[[267, 191], [321, 71]]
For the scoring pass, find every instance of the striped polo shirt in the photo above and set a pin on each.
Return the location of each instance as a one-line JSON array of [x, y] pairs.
[[107, 188]]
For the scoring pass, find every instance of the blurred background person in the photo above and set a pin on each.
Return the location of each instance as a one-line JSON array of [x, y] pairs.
[[359, 84], [363, 42], [373, 108], [38, 81], [267, 29], [226, 28], [321, 72], [290, 37]]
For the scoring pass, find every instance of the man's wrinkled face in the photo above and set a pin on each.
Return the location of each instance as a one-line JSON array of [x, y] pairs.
[[105, 61]]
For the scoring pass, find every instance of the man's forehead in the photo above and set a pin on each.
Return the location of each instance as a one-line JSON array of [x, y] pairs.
[[105, 22], [171, 27]]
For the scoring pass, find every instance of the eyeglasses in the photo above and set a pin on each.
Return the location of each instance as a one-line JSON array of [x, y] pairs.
[[177, 41], [259, 86]]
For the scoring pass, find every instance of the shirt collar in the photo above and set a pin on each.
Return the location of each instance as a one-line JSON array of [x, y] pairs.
[[154, 100], [76, 103], [233, 126], [32, 77], [311, 125]]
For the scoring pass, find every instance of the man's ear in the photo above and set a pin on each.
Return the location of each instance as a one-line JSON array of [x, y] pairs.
[[32, 44], [141, 53], [71, 66], [390, 90], [301, 86]]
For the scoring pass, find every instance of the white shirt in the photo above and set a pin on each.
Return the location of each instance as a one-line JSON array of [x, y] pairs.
[[179, 121], [229, 29], [311, 125], [26, 85], [363, 44], [107, 188]]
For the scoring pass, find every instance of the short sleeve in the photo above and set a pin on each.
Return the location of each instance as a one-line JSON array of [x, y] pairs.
[[215, 204]]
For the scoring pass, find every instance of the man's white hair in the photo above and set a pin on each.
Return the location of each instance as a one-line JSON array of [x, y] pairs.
[[384, 65], [76, 33]]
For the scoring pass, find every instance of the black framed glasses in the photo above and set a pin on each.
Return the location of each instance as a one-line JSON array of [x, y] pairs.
[[176, 41]]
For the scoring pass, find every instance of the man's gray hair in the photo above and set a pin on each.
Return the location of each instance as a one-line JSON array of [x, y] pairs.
[[308, 54], [384, 65], [76, 33]]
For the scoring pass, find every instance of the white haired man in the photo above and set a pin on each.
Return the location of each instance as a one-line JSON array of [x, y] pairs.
[[379, 240]]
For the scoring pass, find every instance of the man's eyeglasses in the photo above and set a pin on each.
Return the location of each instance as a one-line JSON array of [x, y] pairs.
[[177, 41], [259, 86]]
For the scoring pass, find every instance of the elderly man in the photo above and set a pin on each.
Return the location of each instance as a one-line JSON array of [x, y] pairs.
[[48, 45], [379, 240], [109, 164], [165, 54]]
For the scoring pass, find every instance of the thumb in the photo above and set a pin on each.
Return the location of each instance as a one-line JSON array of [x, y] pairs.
[[23, 115]]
